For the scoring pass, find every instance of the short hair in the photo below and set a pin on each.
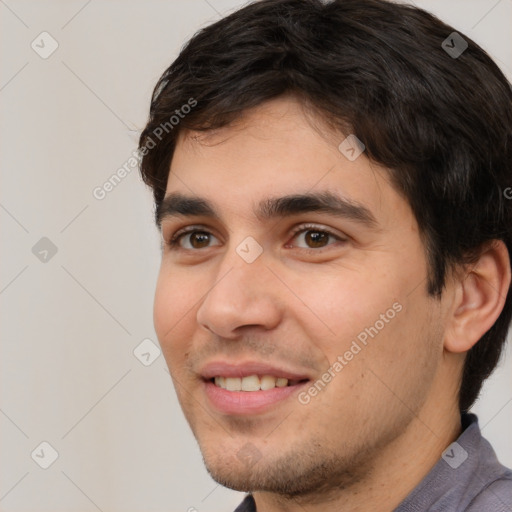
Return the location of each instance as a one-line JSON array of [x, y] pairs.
[[440, 123]]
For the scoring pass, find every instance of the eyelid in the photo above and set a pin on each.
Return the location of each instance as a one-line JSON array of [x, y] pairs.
[[185, 229], [320, 228]]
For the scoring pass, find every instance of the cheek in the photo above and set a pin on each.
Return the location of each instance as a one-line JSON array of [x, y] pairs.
[[174, 312], [346, 301]]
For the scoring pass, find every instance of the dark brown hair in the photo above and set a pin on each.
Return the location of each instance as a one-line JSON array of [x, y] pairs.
[[441, 124]]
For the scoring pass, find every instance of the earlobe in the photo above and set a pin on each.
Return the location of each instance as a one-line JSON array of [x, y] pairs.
[[479, 298]]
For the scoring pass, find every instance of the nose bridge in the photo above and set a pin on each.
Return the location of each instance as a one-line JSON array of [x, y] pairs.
[[242, 265], [243, 259], [241, 294]]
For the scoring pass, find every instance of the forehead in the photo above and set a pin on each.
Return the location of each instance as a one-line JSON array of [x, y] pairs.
[[276, 149]]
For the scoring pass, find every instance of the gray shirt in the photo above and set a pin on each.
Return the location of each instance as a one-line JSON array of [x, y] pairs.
[[468, 478]]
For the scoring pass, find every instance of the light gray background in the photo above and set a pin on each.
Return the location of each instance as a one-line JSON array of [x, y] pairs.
[[70, 325]]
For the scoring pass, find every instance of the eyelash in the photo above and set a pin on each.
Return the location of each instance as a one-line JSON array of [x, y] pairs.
[[173, 243]]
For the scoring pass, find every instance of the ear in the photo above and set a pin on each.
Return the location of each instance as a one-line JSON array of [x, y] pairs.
[[479, 298]]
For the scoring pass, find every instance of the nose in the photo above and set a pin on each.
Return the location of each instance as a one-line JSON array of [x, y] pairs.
[[242, 295]]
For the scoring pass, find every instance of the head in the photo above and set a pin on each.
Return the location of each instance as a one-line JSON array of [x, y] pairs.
[[399, 257]]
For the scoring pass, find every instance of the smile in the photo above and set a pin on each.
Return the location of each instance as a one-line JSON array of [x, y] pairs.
[[234, 397], [253, 382]]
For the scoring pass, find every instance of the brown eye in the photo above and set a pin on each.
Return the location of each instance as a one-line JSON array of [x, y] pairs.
[[199, 239], [315, 239], [194, 239]]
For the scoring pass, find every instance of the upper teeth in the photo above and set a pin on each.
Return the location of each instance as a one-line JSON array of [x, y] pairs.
[[250, 383]]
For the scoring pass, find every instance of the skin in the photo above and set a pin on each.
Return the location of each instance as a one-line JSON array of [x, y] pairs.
[[368, 438]]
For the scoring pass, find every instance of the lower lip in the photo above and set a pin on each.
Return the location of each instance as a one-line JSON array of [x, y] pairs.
[[248, 402]]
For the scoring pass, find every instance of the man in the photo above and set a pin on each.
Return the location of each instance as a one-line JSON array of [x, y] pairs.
[[330, 182]]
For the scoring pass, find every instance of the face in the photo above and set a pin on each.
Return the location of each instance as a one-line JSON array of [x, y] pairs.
[[283, 257]]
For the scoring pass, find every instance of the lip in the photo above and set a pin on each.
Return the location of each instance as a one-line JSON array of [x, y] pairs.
[[225, 369], [248, 402]]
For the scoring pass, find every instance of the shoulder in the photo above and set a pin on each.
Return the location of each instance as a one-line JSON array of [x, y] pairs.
[[489, 486], [469, 478], [494, 497], [248, 505]]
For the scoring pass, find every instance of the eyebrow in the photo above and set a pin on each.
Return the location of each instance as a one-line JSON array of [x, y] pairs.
[[178, 205]]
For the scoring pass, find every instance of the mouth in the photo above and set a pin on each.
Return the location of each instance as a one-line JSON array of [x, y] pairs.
[[250, 386], [250, 395], [252, 383]]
